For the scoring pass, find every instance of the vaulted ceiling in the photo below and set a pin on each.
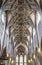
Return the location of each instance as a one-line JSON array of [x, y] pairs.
[[18, 18]]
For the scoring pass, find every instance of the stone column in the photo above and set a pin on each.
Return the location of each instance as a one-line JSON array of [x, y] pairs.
[[5, 26], [36, 28]]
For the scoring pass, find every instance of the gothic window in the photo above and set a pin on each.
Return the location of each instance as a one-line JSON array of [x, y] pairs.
[[21, 60]]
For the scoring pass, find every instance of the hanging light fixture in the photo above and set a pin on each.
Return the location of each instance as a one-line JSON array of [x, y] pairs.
[[12, 61], [29, 60], [34, 57], [7, 55], [38, 50]]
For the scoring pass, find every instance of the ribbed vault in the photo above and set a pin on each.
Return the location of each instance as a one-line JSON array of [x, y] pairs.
[[20, 21]]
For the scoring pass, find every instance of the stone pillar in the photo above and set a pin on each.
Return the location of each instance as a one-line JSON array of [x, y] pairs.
[[14, 56], [36, 27], [5, 26], [27, 58]]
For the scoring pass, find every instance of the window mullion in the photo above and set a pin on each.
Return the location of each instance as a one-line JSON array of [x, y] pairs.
[[23, 60], [18, 60]]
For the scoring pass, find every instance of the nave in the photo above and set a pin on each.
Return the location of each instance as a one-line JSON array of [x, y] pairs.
[[20, 32]]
